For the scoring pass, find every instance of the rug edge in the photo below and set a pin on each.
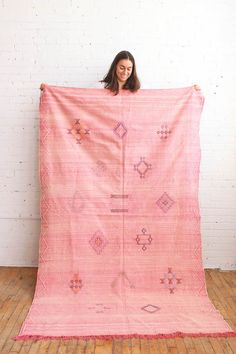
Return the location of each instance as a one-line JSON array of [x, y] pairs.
[[129, 336]]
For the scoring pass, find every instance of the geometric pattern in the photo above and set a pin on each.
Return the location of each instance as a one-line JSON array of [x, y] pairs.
[[43, 247], [75, 284], [45, 131], [88, 289], [41, 287], [142, 167], [99, 308], [119, 210], [120, 130], [144, 239], [100, 168], [164, 132], [122, 276], [44, 177], [165, 202], [118, 203], [150, 308], [170, 281], [98, 242], [78, 131]]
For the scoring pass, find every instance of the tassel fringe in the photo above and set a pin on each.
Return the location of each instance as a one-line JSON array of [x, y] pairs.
[[128, 336]]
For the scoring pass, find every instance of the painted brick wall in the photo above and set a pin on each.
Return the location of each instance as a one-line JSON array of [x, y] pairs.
[[72, 43]]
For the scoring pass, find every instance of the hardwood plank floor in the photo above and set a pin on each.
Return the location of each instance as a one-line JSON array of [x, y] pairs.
[[16, 293]]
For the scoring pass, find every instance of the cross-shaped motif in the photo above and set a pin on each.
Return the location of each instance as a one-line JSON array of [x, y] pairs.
[[170, 280], [78, 131]]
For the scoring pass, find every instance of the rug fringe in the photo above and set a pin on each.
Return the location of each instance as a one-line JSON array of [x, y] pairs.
[[128, 336]]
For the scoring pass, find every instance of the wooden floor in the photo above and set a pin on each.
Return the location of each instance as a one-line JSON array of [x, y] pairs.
[[16, 294]]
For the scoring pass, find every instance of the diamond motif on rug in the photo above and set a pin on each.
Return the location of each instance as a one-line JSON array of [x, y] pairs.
[[150, 308], [165, 202], [98, 242], [142, 167], [120, 130]]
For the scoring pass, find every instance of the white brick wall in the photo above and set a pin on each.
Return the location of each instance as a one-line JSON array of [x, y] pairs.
[[72, 43]]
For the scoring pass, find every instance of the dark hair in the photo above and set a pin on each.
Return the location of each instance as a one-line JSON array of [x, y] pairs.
[[110, 79]]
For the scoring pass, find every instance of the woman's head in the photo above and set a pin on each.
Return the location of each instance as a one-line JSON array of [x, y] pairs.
[[122, 73]]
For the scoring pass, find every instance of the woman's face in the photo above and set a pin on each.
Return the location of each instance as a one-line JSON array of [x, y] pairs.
[[123, 70]]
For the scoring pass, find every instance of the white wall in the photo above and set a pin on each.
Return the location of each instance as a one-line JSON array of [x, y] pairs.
[[72, 43]]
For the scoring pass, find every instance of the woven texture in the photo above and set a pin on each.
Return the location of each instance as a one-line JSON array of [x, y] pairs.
[[120, 243]]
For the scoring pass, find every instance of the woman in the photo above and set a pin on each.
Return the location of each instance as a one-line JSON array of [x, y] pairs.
[[122, 74]]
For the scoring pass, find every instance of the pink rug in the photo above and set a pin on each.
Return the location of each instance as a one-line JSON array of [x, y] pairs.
[[120, 244]]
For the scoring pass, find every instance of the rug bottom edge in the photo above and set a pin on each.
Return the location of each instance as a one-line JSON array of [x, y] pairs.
[[128, 336]]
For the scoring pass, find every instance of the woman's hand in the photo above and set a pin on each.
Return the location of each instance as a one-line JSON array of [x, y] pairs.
[[42, 86], [197, 88]]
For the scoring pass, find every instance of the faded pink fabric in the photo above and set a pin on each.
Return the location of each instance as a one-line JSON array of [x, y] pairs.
[[120, 243]]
